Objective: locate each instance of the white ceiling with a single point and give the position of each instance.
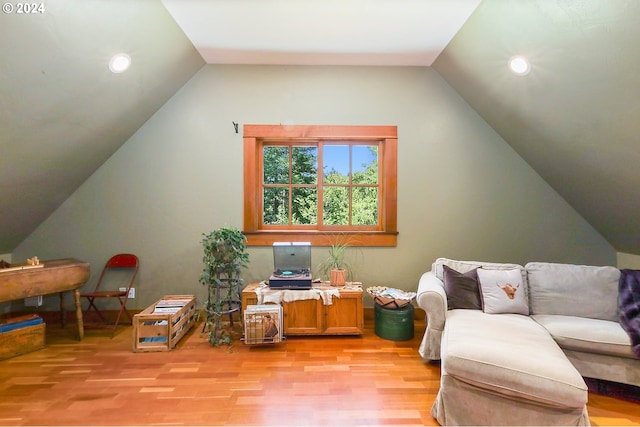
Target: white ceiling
(320, 32)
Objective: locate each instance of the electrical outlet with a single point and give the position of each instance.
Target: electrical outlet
(132, 292)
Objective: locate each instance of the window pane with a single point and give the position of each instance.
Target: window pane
(304, 165)
(365, 164)
(276, 165)
(336, 164)
(365, 206)
(336, 206)
(304, 209)
(276, 206)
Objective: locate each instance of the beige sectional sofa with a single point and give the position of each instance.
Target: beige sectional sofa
(516, 351)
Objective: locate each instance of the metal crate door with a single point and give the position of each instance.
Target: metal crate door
(263, 324)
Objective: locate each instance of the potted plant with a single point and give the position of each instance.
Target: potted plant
(225, 254)
(335, 266)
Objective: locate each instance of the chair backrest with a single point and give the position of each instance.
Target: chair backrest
(120, 261)
(123, 261)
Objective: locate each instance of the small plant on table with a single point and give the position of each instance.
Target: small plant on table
(335, 266)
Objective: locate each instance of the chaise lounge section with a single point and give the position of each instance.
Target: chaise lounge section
(515, 342)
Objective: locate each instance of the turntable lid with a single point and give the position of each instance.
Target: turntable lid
(291, 256)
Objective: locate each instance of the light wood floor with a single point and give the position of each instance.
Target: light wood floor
(303, 381)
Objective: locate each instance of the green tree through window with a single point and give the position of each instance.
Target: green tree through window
(289, 185)
(349, 189)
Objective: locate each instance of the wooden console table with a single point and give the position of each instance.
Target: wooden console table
(56, 276)
(344, 314)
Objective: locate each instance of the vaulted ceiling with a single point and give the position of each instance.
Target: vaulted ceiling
(575, 118)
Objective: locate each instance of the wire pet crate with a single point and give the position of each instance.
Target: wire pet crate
(263, 324)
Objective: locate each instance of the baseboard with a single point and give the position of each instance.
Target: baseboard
(53, 316)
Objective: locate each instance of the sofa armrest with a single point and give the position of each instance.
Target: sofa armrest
(431, 297)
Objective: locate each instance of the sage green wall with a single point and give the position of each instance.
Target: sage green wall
(462, 191)
(628, 261)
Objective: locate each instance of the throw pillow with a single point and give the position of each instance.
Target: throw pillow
(462, 289)
(502, 291)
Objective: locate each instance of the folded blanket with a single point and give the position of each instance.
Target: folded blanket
(267, 295)
(629, 305)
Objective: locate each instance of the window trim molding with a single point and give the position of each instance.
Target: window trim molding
(253, 135)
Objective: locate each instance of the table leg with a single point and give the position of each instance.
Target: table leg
(62, 313)
(76, 294)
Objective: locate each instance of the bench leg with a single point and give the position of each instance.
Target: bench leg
(76, 295)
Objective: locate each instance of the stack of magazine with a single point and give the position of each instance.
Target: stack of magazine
(170, 306)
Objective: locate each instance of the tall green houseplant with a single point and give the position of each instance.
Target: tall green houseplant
(225, 255)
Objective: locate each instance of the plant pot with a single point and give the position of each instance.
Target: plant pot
(338, 277)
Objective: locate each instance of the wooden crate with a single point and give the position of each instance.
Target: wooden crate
(159, 327)
(22, 340)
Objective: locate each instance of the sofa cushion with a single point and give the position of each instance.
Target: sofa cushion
(573, 290)
(462, 289)
(512, 355)
(502, 291)
(587, 335)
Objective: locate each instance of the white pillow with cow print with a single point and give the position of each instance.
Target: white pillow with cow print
(502, 291)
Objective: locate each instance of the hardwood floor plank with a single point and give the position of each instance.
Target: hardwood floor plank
(302, 381)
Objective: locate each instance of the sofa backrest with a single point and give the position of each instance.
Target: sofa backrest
(573, 290)
(464, 266)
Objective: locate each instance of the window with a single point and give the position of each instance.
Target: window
(304, 183)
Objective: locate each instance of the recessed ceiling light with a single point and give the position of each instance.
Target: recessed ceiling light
(119, 63)
(519, 65)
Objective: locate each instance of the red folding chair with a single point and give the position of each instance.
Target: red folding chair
(118, 273)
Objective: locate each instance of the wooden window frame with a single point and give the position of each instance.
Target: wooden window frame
(256, 135)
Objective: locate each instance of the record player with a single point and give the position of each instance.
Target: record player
(292, 265)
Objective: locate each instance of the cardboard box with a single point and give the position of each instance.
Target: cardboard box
(160, 326)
